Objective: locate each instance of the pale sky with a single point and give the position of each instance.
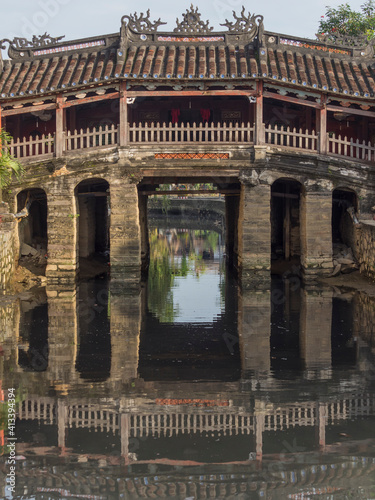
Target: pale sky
(84, 18)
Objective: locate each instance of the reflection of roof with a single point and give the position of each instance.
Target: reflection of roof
(213, 482)
(191, 53)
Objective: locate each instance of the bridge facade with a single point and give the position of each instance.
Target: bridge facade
(275, 124)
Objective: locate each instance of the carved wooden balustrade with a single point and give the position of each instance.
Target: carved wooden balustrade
(199, 134)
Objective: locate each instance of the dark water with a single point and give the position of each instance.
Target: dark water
(191, 388)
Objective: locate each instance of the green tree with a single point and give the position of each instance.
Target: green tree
(9, 165)
(345, 21)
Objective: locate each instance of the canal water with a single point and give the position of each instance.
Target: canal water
(189, 388)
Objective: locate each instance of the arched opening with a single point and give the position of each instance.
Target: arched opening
(285, 222)
(32, 228)
(93, 208)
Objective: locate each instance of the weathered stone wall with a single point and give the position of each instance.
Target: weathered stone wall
(8, 227)
(362, 244)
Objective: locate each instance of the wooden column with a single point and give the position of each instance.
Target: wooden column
(320, 425)
(259, 128)
(62, 414)
(124, 436)
(123, 139)
(322, 125)
(60, 125)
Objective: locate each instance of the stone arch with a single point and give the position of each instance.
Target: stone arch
(344, 209)
(92, 209)
(285, 218)
(32, 212)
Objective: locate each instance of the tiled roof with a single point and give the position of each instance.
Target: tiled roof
(290, 62)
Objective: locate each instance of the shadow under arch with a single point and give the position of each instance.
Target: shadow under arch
(93, 211)
(344, 208)
(285, 222)
(32, 210)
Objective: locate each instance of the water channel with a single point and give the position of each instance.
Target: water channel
(190, 388)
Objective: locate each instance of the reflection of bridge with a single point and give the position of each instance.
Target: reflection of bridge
(175, 417)
(71, 317)
(290, 477)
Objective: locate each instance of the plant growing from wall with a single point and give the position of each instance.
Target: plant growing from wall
(9, 166)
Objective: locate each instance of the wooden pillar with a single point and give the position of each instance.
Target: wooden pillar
(124, 436)
(123, 115)
(72, 118)
(258, 431)
(62, 423)
(259, 127)
(322, 125)
(320, 425)
(60, 126)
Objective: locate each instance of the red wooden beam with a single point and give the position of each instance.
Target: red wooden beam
(28, 109)
(293, 100)
(87, 100)
(351, 111)
(189, 93)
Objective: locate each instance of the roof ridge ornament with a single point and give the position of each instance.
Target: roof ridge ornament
(142, 23)
(359, 41)
(246, 24)
(36, 42)
(192, 23)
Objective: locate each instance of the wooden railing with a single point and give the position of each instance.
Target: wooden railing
(342, 146)
(199, 134)
(91, 138)
(26, 147)
(291, 138)
(239, 133)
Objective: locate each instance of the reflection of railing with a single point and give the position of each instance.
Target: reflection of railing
(343, 146)
(239, 133)
(180, 421)
(25, 147)
(91, 138)
(291, 138)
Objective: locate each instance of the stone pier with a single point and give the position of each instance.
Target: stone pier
(255, 235)
(125, 234)
(315, 329)
(62, 337)
(316, 232)
(125, 332)
(62, 236)
(254, 329)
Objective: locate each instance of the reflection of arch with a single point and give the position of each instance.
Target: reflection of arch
(343, 198)
(93, 221)
(32, 210)
(285, 218)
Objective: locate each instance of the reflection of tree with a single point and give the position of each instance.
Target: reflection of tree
(172, 254)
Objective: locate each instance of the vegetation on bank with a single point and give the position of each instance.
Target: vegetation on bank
(347, 22)
(9, 166)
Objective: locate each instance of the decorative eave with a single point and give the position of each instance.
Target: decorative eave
(192, 54)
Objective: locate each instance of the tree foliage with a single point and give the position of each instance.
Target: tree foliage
(9, 165)
(345, 21)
